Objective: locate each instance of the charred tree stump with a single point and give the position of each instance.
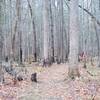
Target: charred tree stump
(34, 77)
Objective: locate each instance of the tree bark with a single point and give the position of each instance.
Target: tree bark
(19, 32)
(34, 31)
(51, 33)
(1, 47)
(46, 29)
(74, 39)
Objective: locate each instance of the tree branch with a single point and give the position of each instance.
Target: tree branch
(30, 8)
(89, 13)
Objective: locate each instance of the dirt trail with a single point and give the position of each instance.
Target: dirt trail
(53, 86)
(50, 86)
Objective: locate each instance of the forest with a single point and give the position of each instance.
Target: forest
(49, 49)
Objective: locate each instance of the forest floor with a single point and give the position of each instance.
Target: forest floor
(54, 84)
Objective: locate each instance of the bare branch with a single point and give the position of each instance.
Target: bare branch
(89, 13)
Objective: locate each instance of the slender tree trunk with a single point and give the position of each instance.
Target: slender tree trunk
(98, 41)
(74, 39)
(1, 47)
(55, 31)
(51, 32)
(61, 30)
(18, 7)
(34, 31)
(15, 30)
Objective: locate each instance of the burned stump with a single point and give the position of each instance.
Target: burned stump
(34, 77)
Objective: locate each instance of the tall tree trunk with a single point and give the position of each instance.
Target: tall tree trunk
(1, 46)
(45, 28)
(51, 32)
(34, 31)
(74, 39)
(18, 7)
(55, 31)
(62, 49)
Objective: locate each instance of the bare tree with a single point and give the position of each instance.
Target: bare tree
(18, 9)
(74, 39)
(34, 30)
(17, 31)
(1, 46)
(46, 29)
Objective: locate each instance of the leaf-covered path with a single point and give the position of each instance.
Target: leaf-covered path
(53, 84)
